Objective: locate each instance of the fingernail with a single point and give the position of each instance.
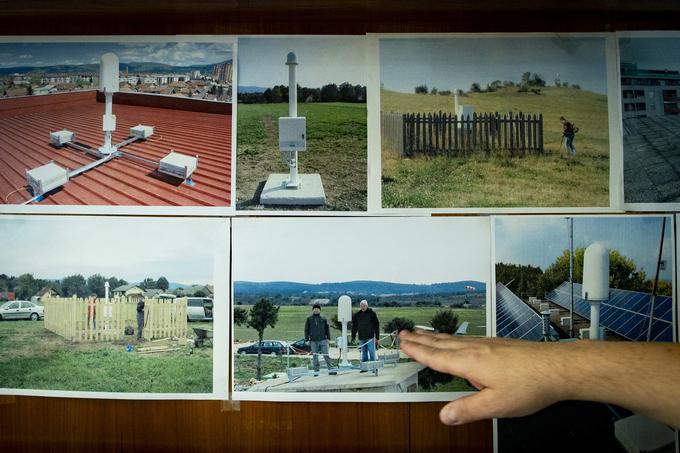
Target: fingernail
(449, 416)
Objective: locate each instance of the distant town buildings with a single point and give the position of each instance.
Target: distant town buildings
(649, 92)
(213, 86)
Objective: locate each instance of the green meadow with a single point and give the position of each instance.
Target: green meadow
(291, 324)
(552, 179)
(336, 149)
(34, 358)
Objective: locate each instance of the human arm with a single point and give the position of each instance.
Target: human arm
(327, 330)
(517, 378)
(307, 329)
(376, 329)
(354, 327)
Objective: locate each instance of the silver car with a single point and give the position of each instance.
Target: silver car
(21, 309)
(199, 309)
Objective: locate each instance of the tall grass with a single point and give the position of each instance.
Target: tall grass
(549, 180)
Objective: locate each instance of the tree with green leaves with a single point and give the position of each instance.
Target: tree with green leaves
(240, 316)
(26, 286)
(148, 283)
(421, 89)
(475, 88)
(445, 321)
(74, 285)
(95, 285)
(162, 283)
(399, 324)
(263, 314)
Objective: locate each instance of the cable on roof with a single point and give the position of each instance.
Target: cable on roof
(25, 187)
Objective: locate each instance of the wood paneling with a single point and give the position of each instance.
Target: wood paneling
(115, 425)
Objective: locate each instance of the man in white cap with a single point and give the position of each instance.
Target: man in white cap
(365, 323)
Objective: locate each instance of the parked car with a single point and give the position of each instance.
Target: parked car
(269, 347)
(21, 309)
(199, 309)
(300, 347)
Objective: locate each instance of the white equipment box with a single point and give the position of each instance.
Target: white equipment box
(45, 178)
(293, 133)
(178, 165)
(62, 137)
(141, 131)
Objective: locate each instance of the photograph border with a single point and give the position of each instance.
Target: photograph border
(221, 324)
(361, 397)
(613, 98)
(137, 210)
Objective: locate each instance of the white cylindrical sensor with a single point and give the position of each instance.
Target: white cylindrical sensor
(291, 62)
(596, 272)
(108, 73)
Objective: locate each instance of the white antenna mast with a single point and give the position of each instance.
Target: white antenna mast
(108, 84)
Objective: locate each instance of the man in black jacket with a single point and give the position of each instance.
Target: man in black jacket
(365, 323)
(318, 333)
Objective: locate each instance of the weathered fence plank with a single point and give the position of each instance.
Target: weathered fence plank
(105, 320)
(447, 134)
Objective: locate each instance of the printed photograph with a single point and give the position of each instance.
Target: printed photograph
(493, 122)
(303, 148)
(113, 305)
(318, 303)
(650, 89)
(578, 278)
(116, 123)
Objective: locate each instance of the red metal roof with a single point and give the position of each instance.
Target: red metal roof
(25, 124)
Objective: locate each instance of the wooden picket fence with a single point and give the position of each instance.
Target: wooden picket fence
(447, 134)
(78, 319)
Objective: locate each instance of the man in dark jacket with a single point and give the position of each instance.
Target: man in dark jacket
(365, 323)
(140, 318)
(318, 333)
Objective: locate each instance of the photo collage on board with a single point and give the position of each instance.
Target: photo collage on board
(257, 217)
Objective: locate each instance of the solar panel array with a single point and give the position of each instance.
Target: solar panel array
(625, 313)
(515, 319)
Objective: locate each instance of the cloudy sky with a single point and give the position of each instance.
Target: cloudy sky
(405, 250)
(132, 248)
(321, 60)
(456, 63)
(172, 53)
(538, 241)
(651, 53)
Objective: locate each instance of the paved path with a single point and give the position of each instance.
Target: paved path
(651, 159)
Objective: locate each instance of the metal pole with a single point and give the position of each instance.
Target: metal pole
(570, 223)
(656, 281)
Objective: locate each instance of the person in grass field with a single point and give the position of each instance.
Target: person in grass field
(568, 133)
(365, 324)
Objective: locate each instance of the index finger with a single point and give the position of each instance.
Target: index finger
(437, 358)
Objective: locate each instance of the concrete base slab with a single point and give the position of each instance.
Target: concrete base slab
(400, 379)
(310, 192)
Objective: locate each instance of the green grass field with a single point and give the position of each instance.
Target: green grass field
(550, 180)
(336, 149)
(35, 358)
(291, 324)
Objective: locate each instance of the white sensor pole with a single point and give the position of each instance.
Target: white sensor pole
(108, 84)
(344, 316)
(106, 291)
(291, 62)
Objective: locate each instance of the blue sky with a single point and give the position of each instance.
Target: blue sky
(456, 63)
(132, 248)
(322, 60)
(538, 241)
(172, 53)
(651, 53)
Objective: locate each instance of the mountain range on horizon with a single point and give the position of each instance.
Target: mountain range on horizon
(365, 287)
(133, 67)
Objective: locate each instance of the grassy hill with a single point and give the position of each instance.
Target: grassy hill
(336, 149)
(551, 180)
